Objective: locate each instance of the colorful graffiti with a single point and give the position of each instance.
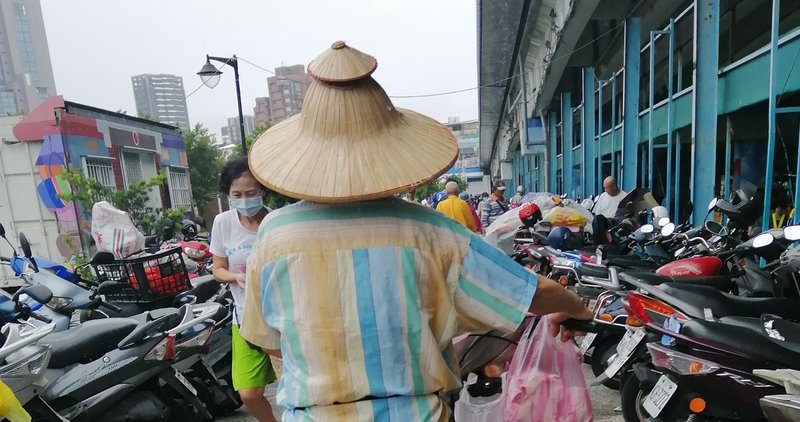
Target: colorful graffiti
(52, 166)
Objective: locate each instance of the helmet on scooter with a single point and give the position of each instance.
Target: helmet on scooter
(561, 238)
(189, 229)
(530, 214)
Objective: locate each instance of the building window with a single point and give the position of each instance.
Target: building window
(179, 187)
(133, 167)
(101, 170)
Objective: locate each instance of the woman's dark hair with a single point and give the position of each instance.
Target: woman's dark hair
(232, 171)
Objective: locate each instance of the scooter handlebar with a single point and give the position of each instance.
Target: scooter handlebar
(110, 306)
(585, 326)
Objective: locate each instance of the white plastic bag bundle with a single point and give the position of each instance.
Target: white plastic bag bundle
(503, 230)
(113, 231)
(478, 409)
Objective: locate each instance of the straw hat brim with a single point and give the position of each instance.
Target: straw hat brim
(305, 165)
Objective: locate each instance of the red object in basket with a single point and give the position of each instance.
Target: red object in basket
(159, 285)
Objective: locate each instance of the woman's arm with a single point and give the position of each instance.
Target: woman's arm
(223, 275)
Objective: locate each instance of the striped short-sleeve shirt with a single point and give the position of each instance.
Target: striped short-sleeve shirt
(363, 301)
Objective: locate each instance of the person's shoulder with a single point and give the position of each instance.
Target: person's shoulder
(226, 217)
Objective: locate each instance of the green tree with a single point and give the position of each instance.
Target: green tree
(252, 137)
(437, 185)
(134, 200)
(205, 164)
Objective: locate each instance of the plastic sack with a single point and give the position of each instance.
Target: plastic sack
(477, 409)
(503, 230)
(113, 231)
(545, 381)
(563, 216)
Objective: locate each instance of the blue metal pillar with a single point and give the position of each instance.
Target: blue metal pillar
(668, 196)
(587, 120)
(614, 171)
(599, 145)
(704, 99)
(630, 128)
(566, 140)
(728, 148)
(678, 179)
(553, 158)
(651, 99)
(773, 67)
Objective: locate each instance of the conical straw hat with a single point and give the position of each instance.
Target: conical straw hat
(349, 143)
(342, 63)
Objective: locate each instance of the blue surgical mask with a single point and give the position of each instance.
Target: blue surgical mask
(247, 207)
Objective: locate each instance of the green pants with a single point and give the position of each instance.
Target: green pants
(251, 367)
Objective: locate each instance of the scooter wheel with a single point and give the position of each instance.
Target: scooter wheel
(600, 355)
(632, 396)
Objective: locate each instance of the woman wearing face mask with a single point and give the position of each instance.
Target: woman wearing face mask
(232, 238)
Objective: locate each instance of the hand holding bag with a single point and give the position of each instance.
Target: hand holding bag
(545, 381)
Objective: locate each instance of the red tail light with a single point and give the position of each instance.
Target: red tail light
(644, 309)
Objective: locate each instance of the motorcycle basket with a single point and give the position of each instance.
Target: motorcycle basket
(144, 279)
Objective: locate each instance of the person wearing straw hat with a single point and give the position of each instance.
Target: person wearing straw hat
(361, 293)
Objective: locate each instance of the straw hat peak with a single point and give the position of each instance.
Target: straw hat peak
(349, 143)
(342, 63)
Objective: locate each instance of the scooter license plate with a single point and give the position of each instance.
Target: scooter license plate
(625, 350)
(587, 342)
(185, 382)
(655, 402)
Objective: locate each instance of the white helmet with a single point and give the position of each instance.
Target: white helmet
(660, 212)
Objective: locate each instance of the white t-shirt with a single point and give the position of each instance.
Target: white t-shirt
(231, 240)
(607, 205)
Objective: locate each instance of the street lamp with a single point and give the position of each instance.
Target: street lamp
(210, 76)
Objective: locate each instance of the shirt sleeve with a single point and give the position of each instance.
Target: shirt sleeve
(254, 327)
(485, 214)
(217, 246)
(493, 292)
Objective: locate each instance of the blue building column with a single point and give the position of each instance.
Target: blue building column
(630, 128)
(552, 123)
(587, 125)
(704, 101)
(566, 140)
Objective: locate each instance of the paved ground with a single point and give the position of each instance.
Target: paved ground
(603, 400)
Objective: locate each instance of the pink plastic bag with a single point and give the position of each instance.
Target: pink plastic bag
(545, 381)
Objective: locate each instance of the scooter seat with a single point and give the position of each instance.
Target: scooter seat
(717, 282)
(593, 270)
(202, 291)
(88, 341)
(726, 305)
(631, 262)
(742, 338)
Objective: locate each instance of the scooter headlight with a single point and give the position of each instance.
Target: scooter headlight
(29, 365)
(194, 253)
(58, 302)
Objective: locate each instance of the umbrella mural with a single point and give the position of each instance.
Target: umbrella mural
(51, 166)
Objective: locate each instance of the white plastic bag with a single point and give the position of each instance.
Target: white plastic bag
(478, 409)
(113, 231)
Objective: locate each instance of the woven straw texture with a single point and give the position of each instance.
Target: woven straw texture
(350, 144)
(342, 63)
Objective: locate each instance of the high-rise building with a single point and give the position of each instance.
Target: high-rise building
(26, 74)
(262, 111)
(161, 96)
(233, 134)
(287, 90)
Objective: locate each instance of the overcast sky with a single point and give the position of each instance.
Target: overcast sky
(422, 47)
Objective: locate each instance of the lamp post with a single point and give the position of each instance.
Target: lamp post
(210, 76)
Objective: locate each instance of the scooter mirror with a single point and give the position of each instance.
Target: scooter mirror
(102, 258)
(792, 233)
(2, 231)
(712, 204)
(764, 239)
(663, 221)
(200, 221)
(647, 229)
(714, 227)
(668, 229)
(38, 292)
(25, 245)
